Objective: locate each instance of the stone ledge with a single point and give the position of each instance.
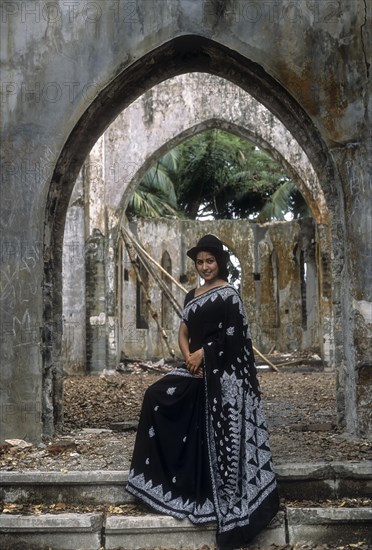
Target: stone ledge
(163, 531)
(56, 522)
(325, 470)
(84, 487)
(146, 524)
(318, 516)
(133, 532)
(85, 477)
(324, 480)
(295, 470)
(58, 531)
(319, 480)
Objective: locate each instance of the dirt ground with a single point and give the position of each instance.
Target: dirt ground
(100, 415)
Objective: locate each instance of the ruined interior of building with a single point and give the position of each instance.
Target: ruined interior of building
(287, 312)
(73, 309)
(286, 283)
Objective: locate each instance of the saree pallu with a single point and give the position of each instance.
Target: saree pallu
(202, 447)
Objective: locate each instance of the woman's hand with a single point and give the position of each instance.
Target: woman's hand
(194, 362)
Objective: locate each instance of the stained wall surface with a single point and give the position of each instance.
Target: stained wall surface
(68, 71)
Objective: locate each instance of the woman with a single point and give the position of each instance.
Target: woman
(202, 447)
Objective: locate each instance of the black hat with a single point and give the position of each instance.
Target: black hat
(209, 243)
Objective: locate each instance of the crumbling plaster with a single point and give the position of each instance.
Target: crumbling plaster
(67, 76)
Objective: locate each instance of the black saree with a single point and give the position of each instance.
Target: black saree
(202, 448)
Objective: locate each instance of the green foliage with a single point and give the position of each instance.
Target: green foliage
(220, 175)
(155, 197)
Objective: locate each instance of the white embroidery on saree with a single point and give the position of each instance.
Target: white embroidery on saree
(154, 495)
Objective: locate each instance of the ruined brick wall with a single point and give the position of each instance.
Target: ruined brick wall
(271, 290)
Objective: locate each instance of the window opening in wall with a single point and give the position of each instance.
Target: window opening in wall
(126, 264)
(303, 270)
(167, 313)
(141, 308)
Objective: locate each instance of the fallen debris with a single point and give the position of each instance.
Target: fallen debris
(18, 443)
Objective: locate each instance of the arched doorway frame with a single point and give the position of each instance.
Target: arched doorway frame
(199, 101)
(180, 55)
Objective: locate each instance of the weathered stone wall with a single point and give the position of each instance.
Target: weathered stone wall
(157, 238)
(271, 292)
(69, 71)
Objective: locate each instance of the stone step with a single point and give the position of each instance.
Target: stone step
(311, 481)
(54, 531)
(94, 531)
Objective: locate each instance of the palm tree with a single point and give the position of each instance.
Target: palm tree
(227, 177)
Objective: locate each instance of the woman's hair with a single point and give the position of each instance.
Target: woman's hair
(222, 260)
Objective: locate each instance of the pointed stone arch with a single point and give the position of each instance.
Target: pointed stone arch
(179, 55)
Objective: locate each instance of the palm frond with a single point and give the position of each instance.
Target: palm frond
(279, 203)
(170, 160)
(157, 181)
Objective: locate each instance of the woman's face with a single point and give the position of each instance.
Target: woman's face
(207, 266)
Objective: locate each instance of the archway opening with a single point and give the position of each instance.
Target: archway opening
(264, 280)
(207, 57)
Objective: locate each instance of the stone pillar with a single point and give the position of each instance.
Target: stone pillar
(284, 237)
(100, 265)
(354, 395)
(21, 331)
(326, 317)
(112, 325)
(264, 276)
(94, 173)
(95, 303)
(309, 285)
(24, 337)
